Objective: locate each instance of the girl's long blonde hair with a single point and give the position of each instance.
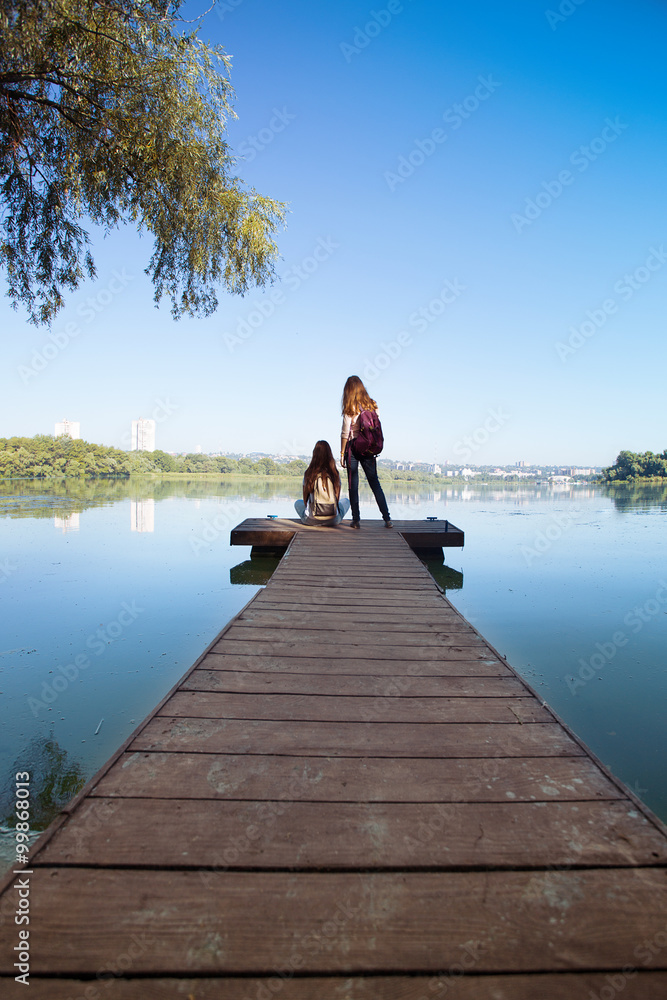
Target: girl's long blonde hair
(356, 398)
(321, 464)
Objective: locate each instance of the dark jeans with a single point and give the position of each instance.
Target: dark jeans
(369, 465)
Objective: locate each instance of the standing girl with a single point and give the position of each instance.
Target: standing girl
(356, 399)
(321, 504)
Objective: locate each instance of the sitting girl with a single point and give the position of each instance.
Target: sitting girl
(321, 504)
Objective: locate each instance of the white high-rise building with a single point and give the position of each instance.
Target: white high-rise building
(68, 428)
(143, 435)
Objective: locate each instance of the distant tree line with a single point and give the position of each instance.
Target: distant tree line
(45, 457)
(630, 467)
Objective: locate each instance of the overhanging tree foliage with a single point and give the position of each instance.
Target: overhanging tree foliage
(109, 111)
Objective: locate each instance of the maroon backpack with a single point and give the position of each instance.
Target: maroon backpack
(369, 441)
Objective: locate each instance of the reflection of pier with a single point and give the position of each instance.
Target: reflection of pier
(350, 794)
(142, 515)
(256, 571)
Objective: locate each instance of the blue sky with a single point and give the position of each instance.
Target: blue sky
(477, 227)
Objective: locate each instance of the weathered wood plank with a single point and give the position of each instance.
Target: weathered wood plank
(362, 564)
(380, 596)
(456, 664)
(357, 739)
(368, 685)
(358, 650)
(352, 779)
(246, 632)
(268, 600)
(632, 985)
(259, 922)
(336, 575)
(434, 625)
(347, 836)
(348, 708)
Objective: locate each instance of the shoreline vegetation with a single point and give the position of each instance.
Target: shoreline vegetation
(636, 467)
(45, 458)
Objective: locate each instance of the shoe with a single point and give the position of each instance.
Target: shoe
(389, 523)
(355, 524)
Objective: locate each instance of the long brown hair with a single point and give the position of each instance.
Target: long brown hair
(321, 464)
(355, 397)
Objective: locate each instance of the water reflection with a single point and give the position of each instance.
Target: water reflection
(652, 496)
(55, 778)
(257, 570)
(65, 524)
(444, 576)
(64, 500)
(142, 515)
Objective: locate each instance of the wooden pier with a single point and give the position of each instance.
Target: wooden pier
(350, 796)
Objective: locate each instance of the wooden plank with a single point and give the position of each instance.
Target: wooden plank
(348, 836)
(367, 685)
(348, 708)
(325, 638)
(260, 618)
(382, 597)
(267, 601)
(634, 984)
(456, 664)
(354, 561)
(333, 577)
(357, 739)
(257, 922)
(351, 779)
(357, 650)
(374, 561)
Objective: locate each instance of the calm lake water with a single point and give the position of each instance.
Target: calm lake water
(111, 591)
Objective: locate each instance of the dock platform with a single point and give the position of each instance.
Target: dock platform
(351, 795)
(276, 533)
